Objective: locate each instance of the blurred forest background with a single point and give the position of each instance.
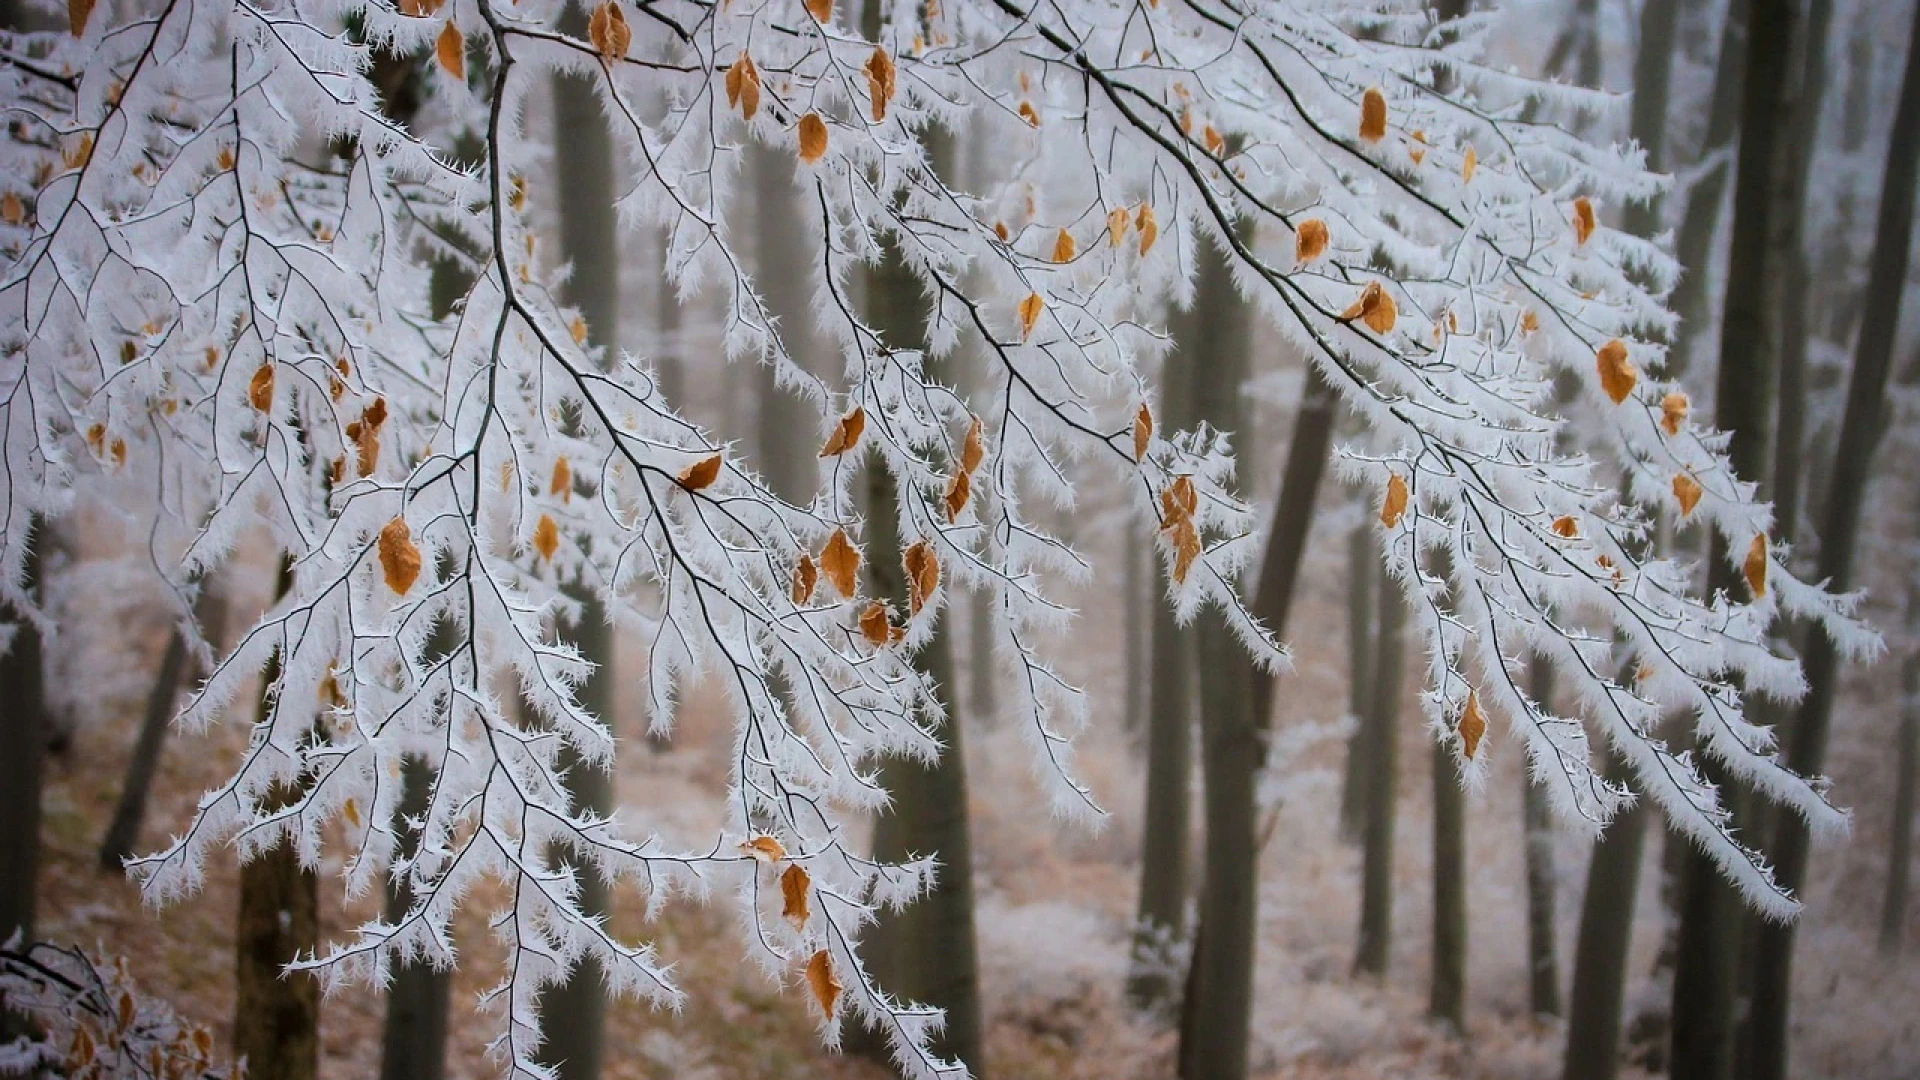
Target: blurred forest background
(1405, 929)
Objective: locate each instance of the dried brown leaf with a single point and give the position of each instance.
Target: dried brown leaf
(1755, 568)
(701, 473)
(1142, 432)
(546, 537)
(923, 574)
(1373, 115)
(806, 576)
(1394, 507)
(399, 558)
(1688, 491)
(765, 849)
(260, 388)
(794, 885)
(1473, 725)
(840, 560)
(1584, 221)
(1310, 240)
(813, 138)
(846, 434)
(451, 50)
(1617, 373)
(824, 983)
(1673, 413)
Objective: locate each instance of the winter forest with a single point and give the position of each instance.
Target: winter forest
(1218, 539)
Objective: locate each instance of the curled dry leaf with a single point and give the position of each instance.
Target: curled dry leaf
(959, 490)
(1756, 566)
(841, 562)
(1566, 526)
(794, 884)
(1688, 491)
(701, 473)
(451, 50)
(1469, 165)
(1584, 221)
(399, 558)
(973, 451)
(1673, 413)
(1373, 115)
(1064, 248)
(846, 433)
(1142, 432)
(821, 10)
(823, 982)
(881, 79)
(1618, 376)
(1473, 725)
(546, 536)
(609, 32)
(1394, 507)
(1375, 307)
(1529, 322)
(765, 849)
(260, 388)
(1310, 241)
(813, 138)
(1417, 147)
(1030, 310)
(806, 576)
(1216, 143)
(923, 574)
(1029, 114)
(1118, 222)
(12, 210)
(562, 482)
(743, 85)
(577, 330)
(876, 625)
(1148, 226)
(1186, 548)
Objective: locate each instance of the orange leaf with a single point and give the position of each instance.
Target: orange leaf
(959, 490)
(1584, 221)
(1063, 247)
(824, 983)
(609, 32)
(1373, 115)
(701, 473)
(13, 211)
(1184, 496)
(821, 10)
(764, 849)
(1118, 222)
(846, 434)
(260, 388)
(577, 329)
(813, 138)
(562, 483)
(1417, 148)
(78, 12)
(1148, 226)
(881, 76)
(1030, 310)
(923, 574)
(974, 450)
(841, 561)
(1029, 114)
(1673, 412)
(1688, 491)
(399, 559)
(1395, 505)
(1617, 373)
(1756, 566)
(546, 536)
(1473, 725)
(1529, 322)
(1375, 307)
(1142, 432)
(1567, 527)
(743, 85)
(793, 895)
(451, 50)
(1186, 548)
(1216, 142)
(805, 577)
(1310, 241)
(1467, 166)
(876, 624)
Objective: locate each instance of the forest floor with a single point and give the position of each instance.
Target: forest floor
(1056, 899)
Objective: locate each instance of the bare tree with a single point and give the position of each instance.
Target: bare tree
(1382, 773)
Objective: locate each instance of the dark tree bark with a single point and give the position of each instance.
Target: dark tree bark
(1216, 1014)
(23, 744)
(1712, 916)
(787, 420)
(414, 1044)
(1132, 618)
(1362, 562)
(980, 696)
(1447, 994)
(123, 830)
(1605, 943)
(1893, 909)
(1543, 962)
(1292, 522)
(1382, 773)
(1699, 225)
(1860, 431)
(276, 1018)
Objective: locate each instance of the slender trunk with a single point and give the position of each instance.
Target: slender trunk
(276, 1021)
(1447, 996)
(1215, 1017)
(23, 744)
(574, 1012)
(1160, 928)
(1362, 562)
(1860, 431)
(1132, 616)
(929, 952)
(980, 693)
(1543, 963)
(1292, 521)
(414, 1045)
(1712, 916)
(1605, 944)
(1382, 772)
(1699, 225)
(787, 420)
(1893, 910)
(123, 831)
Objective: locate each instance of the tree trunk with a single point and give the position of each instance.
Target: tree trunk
(1605, 945)
(1132, 617)
(1893, 910)
(276, 1018)
(573, 1013)
(1699, 225)
(1292, 522)
(414, 1045)
(788, 421)
(1447, 997)
(1362, 562)
(1712, 916)
(928, 952)
(23, 745)
(1216, 1013)
(1860, 431)
(1543, 963)
(123, 831)
(1382, 773)
(980, 693)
